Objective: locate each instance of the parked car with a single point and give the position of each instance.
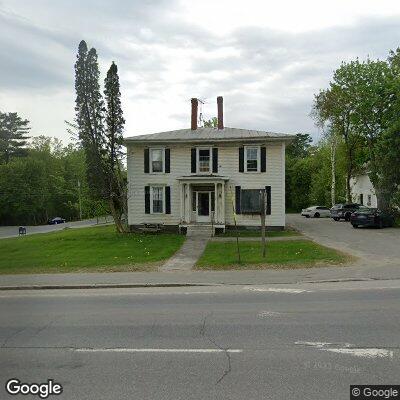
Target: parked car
(374, 217)
(56, 220)
(343, 211)
(316, 212)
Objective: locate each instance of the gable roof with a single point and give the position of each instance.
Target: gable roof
(209, 134)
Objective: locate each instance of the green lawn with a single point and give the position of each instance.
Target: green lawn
(280, 254)
(251, 233)
(86, 249)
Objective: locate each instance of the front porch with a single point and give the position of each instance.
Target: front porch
(202, 200)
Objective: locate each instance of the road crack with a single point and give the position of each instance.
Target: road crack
(225, 350)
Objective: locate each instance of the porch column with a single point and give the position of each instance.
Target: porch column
(215, 202)
(186, 206)
(181, 199)
(223, 202)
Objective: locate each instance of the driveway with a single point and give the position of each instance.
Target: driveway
(373, 246)
(12, 231)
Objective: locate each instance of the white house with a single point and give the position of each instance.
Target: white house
(205, 176)
(363, 191)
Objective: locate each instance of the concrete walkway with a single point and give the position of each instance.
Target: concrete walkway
(185, 258)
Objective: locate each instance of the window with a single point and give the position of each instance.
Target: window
(252, 157)
(157, 160)
(250, 201)
(361, 199)
(204, 157)
(157, 199)
(369, 200)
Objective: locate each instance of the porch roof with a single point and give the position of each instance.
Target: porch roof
(203, 178)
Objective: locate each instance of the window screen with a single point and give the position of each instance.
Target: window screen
(250, 201)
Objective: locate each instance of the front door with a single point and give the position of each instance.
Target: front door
(203, 206)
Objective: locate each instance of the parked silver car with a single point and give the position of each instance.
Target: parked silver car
(316, 212)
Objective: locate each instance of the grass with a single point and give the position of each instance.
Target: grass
(254, 233)
(280, 254)
(86, 250)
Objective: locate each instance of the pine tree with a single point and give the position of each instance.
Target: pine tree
(13, 136)
(114, 127)
(89, 108)
(102, 145)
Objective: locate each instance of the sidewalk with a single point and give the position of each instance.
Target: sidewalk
(253, 277)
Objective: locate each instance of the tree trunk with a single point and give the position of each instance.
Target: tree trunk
(383, 198)
(333, 170)
(117, 217)
(348, 187)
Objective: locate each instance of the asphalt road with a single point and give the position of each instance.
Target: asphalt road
(373, 246)
(12, 231)
(229, 342)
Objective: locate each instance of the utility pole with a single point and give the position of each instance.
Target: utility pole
(263, 203)
(80, 200)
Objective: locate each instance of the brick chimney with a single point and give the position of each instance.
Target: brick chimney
(195, 104)
(220, 104)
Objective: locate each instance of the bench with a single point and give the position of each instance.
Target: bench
(151, 228)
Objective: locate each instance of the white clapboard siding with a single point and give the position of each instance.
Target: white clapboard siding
(228, 160)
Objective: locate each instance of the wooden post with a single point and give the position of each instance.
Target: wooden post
(236, 228)
(263, 204)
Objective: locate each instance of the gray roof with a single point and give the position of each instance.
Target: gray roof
(209, 134)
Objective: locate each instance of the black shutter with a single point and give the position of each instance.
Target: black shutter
(146, 161)
(167, 200)
(241, 159)
(167, 161)
(263, 159)
(193, 161)
(268, 193)
(237, 199)
(147, 199)
(215, 160)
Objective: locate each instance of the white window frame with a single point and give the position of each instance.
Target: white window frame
(210, 163)
(151, 160)
(152, 197)
(258, 159)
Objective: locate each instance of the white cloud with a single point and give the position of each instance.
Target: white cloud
(266, 58)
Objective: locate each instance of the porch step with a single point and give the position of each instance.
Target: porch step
(199, 230)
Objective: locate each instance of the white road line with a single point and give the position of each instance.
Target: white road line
(277, 290)
(368, 352)
(128, 350)
(349, 349)
(266, 314)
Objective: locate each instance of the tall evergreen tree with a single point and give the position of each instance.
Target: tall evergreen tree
(13, 136)
(114, 127)
(89, 109)
(102, 145)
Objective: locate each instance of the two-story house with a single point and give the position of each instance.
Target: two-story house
(197, 176)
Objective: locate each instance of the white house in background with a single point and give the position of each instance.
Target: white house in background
(189, 178)
(363, 191)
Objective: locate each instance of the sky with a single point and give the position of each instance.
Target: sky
(266, 58)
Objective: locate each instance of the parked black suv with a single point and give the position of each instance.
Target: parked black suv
(343, 211)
